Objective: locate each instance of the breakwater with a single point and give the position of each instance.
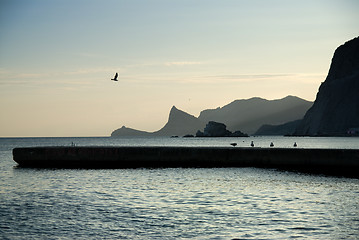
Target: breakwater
(332, 161)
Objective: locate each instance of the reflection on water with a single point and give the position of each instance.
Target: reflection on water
(172, 203)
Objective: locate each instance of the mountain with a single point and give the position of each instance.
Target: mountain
(124, 131)
(282, 129)
(248, 115)
(336, 107)
(180, 123)
(245, 115)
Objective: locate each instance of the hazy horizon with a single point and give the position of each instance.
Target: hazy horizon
(57, 59)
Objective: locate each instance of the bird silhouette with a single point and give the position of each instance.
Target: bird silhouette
(252, 144)
(271, 144)
(115, 77)
(234, 144)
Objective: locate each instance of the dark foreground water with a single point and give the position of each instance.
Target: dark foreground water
(217, 203)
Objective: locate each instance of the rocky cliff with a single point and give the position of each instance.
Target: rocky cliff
(215, 129)
(180, 123)
(336, 108)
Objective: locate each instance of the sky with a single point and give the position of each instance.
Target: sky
(57, 59)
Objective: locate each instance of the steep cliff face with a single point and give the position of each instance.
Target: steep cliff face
(180, 123)
(336, 108)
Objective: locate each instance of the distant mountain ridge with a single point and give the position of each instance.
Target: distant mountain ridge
(124, 131)
(278, 130)
(246, 115)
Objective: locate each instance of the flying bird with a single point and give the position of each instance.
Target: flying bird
(115, 77)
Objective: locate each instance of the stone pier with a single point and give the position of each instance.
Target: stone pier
(343, 162)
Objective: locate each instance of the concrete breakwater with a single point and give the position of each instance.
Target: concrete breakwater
(331, 161)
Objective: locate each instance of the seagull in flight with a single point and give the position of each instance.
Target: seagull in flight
(115, 77)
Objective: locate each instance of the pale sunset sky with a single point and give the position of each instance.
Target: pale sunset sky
(57, 58)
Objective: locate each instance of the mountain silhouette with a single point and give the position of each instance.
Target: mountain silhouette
(278, 130)
(246, 115)
(180, 123)
(124, 131)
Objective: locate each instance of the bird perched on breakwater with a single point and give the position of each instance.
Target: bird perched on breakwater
(295, 144)
(234, 144)
(115, 77)
(271, 144)
(252, 144)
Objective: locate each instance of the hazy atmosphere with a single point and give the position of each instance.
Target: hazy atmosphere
(57, 59)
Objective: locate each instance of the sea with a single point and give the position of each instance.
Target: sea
(175, 203)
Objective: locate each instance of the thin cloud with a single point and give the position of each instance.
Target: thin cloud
(89, 55)
(32, 75)
(265, 76)
(3, 71)
(34, 79)
(94, 70)
(250, 76)
(6, 75)
(184, 63)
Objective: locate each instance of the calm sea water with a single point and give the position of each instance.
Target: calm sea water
(218, 203)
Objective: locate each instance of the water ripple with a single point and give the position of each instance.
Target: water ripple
(232, 203)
